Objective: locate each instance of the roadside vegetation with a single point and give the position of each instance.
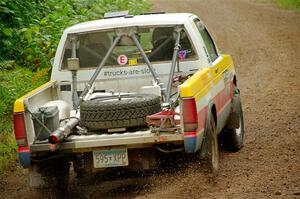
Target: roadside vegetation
(29, 33)
(289, 4)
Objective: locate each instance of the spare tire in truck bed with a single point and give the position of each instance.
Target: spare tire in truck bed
(114, 112)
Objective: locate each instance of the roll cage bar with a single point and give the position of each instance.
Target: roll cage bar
(132, 33)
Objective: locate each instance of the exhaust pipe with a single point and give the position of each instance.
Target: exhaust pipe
(63, 131)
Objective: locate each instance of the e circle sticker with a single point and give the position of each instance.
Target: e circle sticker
(122, 60)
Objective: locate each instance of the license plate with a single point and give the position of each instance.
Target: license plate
(110, 158)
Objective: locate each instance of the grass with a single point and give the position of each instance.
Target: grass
(289, 4)
(8, 147)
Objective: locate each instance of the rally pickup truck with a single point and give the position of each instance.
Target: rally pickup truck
(125, 89)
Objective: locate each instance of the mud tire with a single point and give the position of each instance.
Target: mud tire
(213, 146)
(232, 136)
(210, 147)
(130, 111)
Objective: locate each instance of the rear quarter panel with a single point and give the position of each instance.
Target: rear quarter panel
(37, 97)
(208, 86)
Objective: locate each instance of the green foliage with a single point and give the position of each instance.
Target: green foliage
(289, 4)
(30, 30)
(15, 83)
(8, 150)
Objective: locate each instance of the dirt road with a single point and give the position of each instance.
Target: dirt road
(265, 44)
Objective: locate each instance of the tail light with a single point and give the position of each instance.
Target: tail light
(190, 116)
(19, 129)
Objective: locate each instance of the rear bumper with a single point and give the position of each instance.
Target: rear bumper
(129, 139)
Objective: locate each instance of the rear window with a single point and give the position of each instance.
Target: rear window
(157, 42)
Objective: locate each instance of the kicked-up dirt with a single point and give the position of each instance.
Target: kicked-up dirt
(265, 44)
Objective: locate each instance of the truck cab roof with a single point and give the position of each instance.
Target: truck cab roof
(127, 21)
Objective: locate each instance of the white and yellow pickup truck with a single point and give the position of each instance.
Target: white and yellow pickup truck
(125, 89)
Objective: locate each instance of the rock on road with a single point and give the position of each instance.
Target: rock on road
(265, 44)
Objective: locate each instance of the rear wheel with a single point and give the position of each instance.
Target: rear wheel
(213, 147)
(232, 137)
(50, 174)
(210, 147)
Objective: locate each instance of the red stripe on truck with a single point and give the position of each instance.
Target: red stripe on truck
(23, 149)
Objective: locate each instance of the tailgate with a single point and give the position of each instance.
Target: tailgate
(130, 139)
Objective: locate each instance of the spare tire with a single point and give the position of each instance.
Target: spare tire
(115, 112)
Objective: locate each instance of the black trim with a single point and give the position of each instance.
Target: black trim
(153, 13)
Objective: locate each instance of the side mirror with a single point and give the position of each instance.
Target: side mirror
(73, 64)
